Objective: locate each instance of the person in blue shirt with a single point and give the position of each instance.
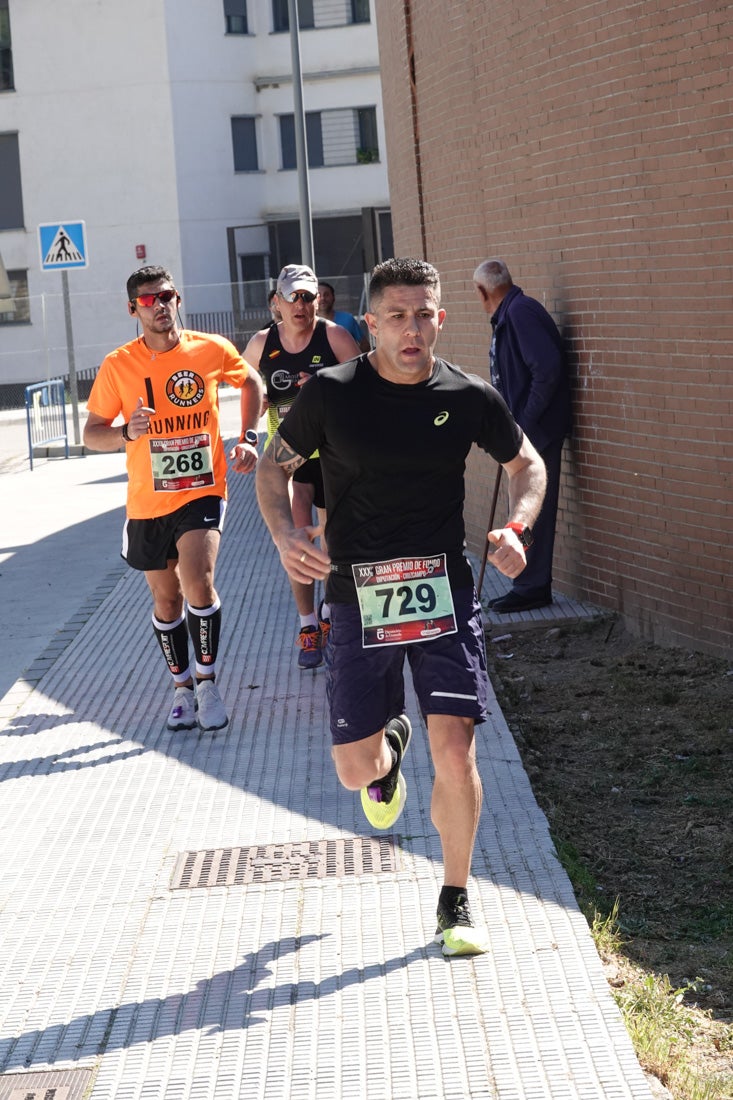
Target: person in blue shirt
(326, 308)
(528, 369)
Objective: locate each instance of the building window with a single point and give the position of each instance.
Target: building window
(255, 272)
(235, 16)
(342, 136)
(368, 148)
(338, 251)
(244, 143)
(16, 309)
(281, 18)
(254, 266)
(360, 11)
(6, 50)
(313, 138)
(321, 13)
(11, 192)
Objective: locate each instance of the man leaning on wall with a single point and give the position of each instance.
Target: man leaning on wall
(528, 369)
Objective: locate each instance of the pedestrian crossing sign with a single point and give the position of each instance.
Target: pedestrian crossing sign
(63, 245)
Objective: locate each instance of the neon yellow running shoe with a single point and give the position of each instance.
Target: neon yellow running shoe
(384, 800)
(456, 930)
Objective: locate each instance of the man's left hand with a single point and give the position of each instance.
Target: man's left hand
(506, 552)
(244, 457)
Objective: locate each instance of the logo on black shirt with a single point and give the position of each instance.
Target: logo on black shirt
(282, 379)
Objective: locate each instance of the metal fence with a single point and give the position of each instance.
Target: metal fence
(45, 405)
(37, 347)
(239, 328)
(12, 394)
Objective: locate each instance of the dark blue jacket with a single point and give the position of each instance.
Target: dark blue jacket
(531, 368)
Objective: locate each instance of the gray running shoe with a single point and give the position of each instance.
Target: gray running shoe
(212, 715)
(182, 715)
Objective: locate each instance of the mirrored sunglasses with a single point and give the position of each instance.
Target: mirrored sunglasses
(163, 296)
(294, 295)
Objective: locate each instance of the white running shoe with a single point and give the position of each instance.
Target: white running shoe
(212, 715)
(182, 715)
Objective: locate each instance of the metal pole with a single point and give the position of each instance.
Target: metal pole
(301, 154)
(70, 355)
(489, 527)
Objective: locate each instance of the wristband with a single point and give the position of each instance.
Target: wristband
(523, 533)
(125, 433)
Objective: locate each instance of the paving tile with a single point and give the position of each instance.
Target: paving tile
(328, 987)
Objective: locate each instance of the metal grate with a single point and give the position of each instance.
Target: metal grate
(65, 1084)
(309, 859)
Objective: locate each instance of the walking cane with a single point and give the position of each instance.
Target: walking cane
(497, 484)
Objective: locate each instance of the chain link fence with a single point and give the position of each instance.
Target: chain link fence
(35, 349)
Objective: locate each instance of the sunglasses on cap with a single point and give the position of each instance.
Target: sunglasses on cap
(303, 295)
(164, 296)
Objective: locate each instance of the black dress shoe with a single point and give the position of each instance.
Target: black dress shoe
(513, 601)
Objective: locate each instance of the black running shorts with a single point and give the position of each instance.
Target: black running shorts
(366, 687)
(152, 543)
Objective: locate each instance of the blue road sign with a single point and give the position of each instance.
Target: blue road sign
(63, 245)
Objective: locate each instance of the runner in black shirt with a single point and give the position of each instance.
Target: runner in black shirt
(393, 430)
(287, 354)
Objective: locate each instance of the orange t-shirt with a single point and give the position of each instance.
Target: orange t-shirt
(182, 457)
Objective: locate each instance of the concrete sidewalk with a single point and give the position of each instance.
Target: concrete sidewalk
(187, 915)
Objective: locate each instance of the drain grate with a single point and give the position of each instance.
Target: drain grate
(66, 1084)
(308, 859)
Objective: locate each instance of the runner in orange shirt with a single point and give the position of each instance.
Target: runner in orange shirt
(165, 384)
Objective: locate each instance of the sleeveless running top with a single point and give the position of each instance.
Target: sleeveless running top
(280, 370)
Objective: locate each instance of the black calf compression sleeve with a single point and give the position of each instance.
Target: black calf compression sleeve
(173, 640)
(204, 625)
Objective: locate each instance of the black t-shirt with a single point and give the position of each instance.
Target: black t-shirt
(393, 459)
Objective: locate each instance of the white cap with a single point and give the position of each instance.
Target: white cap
(296, 277)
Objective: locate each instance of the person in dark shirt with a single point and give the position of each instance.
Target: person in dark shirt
(287, 354)
(528, 369)
(393, 429)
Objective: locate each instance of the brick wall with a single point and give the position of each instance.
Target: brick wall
(589, 146)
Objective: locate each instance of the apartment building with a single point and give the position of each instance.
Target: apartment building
(167, 128)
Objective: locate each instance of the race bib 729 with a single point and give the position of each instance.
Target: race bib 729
(404, 600)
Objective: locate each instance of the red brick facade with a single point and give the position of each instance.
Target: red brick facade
(589, 147)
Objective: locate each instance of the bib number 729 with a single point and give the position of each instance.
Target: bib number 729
(409, 601)
(404, 600)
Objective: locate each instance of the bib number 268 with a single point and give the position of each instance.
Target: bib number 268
(188, 462)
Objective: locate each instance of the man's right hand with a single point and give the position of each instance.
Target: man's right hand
(139, 422)
(301, 559)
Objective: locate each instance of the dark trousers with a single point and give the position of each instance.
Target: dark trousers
(536, 577)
